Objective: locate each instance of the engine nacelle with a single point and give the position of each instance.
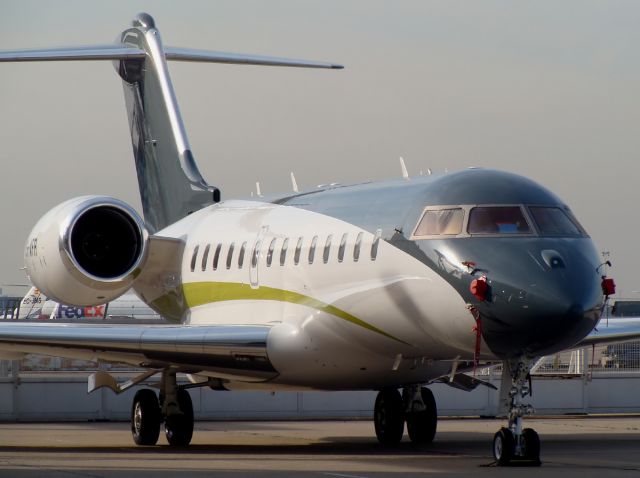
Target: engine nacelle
(87, 250)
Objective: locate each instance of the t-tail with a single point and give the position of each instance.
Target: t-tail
(171, 186)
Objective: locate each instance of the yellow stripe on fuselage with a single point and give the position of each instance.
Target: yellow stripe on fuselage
(201, 293)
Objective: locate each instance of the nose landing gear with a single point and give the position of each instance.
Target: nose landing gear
(514, 444)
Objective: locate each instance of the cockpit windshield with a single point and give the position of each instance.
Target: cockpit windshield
(440, 221)
(497, 220)
(554, 221)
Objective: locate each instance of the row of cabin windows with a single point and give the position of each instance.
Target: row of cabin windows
(284, 249)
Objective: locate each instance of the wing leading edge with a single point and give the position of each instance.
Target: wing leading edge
(238, 352)
(612, 331)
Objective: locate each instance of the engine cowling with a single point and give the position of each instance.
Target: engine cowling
(87, 250)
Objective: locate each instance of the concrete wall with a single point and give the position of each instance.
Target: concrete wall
(64, 397)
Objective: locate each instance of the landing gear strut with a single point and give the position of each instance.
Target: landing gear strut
(174, 407)
(513, 443)
(416, 406)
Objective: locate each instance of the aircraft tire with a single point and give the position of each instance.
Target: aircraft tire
(145, 418)
(503, 447)
(531, 446)
(178, 428)
(388, 417)
(422, 425)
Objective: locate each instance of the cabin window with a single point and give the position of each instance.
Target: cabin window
(435, 222)
(270, 251)
(283, 251)
(230, 255)
(343, 245)
(205, 257)
(296, 254)
(497, 220)
(554, 221)
(356, 247)
(243, 248)
(216, 257)
(312, 249)
(194, 258)
(375, 244)
(255, 255)
(327, 249)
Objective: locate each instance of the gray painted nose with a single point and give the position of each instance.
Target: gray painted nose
(542, 307)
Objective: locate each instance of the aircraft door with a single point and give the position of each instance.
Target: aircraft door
(256, 253)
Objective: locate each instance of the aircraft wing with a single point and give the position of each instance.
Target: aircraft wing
(612, 331)
(238, 352)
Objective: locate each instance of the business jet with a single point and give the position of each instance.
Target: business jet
(385, 286)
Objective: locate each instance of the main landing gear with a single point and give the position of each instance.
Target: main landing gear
(416, 406)
(174, 407)
(514, 444)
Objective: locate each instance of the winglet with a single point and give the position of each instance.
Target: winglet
(403, 167)
(294, 184)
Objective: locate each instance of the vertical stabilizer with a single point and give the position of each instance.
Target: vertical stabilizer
(171, 185)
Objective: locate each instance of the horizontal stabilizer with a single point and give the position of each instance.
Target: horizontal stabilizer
(96, 52)
(187, 54)
(124, 52)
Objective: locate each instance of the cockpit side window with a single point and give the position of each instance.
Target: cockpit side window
(436, 222)
(503, 220)
(554, 221)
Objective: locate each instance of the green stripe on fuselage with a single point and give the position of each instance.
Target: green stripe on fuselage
(201, 293)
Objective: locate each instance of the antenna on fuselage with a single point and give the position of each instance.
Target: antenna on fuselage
(294, 184)
(403, 167)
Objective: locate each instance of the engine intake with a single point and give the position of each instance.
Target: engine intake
(87, 251)
(105, 242)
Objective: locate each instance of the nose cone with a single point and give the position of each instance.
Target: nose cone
(540, 318)
(542, 303)
(544, 295)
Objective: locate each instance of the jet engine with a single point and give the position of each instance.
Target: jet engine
(87, 250)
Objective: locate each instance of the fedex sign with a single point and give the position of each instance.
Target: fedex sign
(74, 312)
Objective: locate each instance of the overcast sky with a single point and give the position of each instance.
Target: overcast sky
(546, 89)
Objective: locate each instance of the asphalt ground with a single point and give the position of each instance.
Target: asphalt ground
(571, 446)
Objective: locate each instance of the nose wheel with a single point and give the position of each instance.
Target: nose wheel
(513, 444)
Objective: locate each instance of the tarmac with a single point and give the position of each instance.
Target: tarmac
(571, 446)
